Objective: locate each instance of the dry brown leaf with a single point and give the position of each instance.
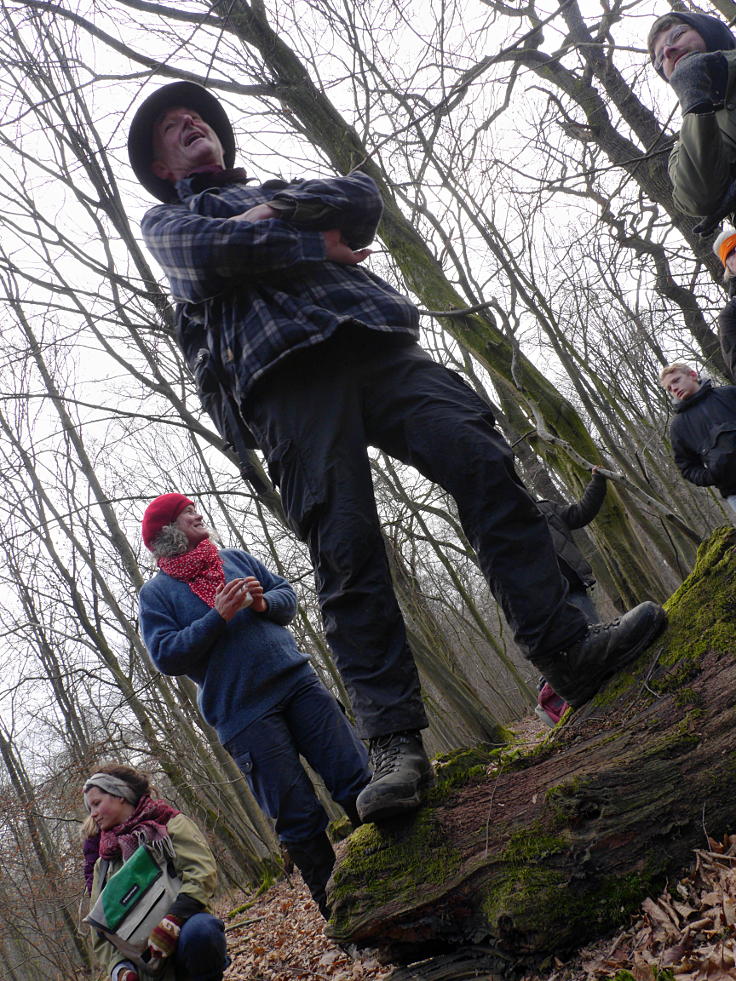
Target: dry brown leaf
(641, 970)
(330, 957)
(715, 972)
(729, 910)
(674, 955)
(665, 923)
(684, 910)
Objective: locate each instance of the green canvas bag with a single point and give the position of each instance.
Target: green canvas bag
(133, 900)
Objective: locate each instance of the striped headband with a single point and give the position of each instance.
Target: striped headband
(110, 785)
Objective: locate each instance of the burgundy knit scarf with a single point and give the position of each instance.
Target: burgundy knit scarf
(201, 568)
(147, 823)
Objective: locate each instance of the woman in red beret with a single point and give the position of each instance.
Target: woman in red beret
(219, 617)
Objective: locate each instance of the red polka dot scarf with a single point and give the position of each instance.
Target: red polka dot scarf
(201, 568)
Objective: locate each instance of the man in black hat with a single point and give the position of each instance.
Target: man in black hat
(320, 357)
(695, 54)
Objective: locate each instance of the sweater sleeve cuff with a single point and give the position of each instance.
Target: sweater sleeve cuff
(213, 623)
(120, 967)
(281, 606)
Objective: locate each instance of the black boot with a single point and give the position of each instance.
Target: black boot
(315, 859)
(400, 771)
(579, 672)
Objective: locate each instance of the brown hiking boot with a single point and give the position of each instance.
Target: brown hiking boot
(579, 672)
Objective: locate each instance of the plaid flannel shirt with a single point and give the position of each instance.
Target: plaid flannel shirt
(259, 290)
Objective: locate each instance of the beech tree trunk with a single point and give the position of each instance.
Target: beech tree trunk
(532, 853)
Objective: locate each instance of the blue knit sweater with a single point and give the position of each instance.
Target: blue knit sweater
(242, 668)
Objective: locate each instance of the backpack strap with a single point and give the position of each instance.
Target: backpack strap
(102, 874)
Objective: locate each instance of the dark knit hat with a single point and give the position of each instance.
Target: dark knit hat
(713, 31)
(187, 95)
(162, 511)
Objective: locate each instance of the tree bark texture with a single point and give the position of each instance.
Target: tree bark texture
(530, 853)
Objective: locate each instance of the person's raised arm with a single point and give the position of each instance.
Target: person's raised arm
(582, 513)
(701, 163)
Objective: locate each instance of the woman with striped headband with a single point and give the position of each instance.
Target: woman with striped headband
(119, 800)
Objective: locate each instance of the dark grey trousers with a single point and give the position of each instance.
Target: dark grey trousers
(314, 416)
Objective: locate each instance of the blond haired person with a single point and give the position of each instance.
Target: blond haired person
(703, 430)
(188, 944)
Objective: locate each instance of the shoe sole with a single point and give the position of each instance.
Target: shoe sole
(657, 626)
(382, 811)
(543, 717)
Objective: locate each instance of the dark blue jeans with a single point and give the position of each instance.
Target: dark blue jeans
(314, 417)
(201, 954)
(309, 722)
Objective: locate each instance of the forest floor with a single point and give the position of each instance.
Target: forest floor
(686, 934)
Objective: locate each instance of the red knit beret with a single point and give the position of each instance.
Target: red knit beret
(162, 511)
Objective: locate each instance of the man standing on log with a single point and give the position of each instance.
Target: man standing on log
(703, 432)
(695, 54)
(321, 358)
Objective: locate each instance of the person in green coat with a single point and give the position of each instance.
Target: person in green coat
(695, 54)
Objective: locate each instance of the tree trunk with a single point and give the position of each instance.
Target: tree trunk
(537, 853)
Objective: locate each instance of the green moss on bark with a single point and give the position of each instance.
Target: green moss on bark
(463, 767)
(533, 901)
(702, 618)
(392, 863)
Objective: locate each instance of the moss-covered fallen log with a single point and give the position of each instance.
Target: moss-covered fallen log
(536, 853)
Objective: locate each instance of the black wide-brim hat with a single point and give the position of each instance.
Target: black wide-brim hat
(185, 95)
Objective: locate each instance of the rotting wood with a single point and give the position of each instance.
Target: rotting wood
(535, 854)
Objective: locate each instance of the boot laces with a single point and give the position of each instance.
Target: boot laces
(593, 630)
(385, 753)
(600, 628)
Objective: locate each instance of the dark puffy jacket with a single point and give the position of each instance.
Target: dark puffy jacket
(698, 419)
(563, 518)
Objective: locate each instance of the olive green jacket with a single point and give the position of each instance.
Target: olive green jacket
(195, 866)
(702, 164)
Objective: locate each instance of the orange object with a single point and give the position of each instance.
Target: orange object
(726, 248)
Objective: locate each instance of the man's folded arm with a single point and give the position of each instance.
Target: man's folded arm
(351, 204)
(202, 255)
